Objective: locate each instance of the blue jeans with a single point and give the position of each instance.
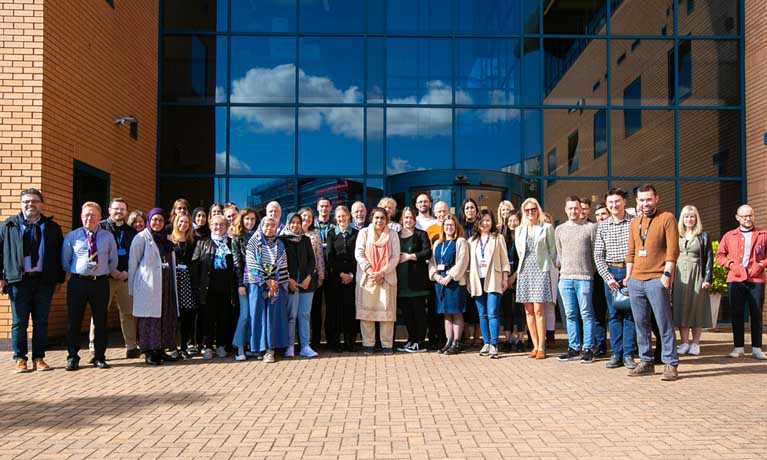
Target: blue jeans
(623, 335)
(29, 297)
(487, 306)
(646, 295)
(299, 310)
(242, 332)
(576, 296)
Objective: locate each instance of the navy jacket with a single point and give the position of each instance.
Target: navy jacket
(12, 251)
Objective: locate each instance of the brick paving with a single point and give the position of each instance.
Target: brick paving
(407, 406)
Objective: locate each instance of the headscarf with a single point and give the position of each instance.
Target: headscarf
(288, 234)
(194, 214)
(377, 251)
(160, 238)
(265, 256)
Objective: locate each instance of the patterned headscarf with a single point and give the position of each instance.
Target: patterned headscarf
(265, 256)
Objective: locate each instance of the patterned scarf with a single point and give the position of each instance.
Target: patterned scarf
(265, 257)
(222, 250)
(31, 238)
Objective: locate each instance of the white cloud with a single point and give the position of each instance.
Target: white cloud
(236, 166)
(399, 165)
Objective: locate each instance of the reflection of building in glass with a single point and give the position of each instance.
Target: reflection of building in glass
(339, 191)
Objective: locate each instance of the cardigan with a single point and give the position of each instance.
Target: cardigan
(459, 270)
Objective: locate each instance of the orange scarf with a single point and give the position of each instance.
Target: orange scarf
(377, 251)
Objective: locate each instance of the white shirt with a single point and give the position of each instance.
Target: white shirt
(483, 260)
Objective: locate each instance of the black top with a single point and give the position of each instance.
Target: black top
(341, 253)
(418, 269)
(124, 235)
(301, 260)
(12, 253)
(204, 276)
(201, 233)
(184, 251)
(239, 245)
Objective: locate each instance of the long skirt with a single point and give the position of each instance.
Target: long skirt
(160, 333)
(269, 318)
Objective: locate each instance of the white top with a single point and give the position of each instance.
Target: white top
(422, 223)
(483, 260)
(746, 247)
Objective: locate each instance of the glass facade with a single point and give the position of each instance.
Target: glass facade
(293, 99)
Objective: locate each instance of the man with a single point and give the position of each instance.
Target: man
(118, 286)
(359, 214)
(90, 257)
(424, 220)
(273, 209)
(610, 249)
(389, 204)
(30, 270)
(323, 226)
(575, 245)
(653, 248)
(585, 208)
(441, 210)
(742, 252)
(601, 214)
(432, 226)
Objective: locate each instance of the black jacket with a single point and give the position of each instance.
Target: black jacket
(706, 256)
(301, 261)
(128, 234)
(12, 251)
(202, 268)
(184, 252)
(239, 245)
(341, 254)
(418, 269)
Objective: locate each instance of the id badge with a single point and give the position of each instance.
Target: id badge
(324, 245)
(181, 266)
(122, 252)
(483, 265)
(165, 265)
(92, 265)
(642, 253)
(441, 267)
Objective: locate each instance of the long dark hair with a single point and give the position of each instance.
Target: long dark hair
(475, 232)
(462, 214)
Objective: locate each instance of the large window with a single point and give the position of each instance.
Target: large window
(632, 118)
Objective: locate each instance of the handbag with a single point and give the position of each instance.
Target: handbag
(621, 299)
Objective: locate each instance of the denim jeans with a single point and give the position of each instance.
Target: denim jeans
(623, 335)
(745, 294)
(576, 297)
(242, 332)
(299, 310)
(487, 306)
(29, 297)
(647, 296)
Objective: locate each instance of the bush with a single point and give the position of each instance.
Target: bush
(719, 277)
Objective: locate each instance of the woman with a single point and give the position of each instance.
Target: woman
(230, 214)
(200, 223)
(512, 313)
(310, 230)
(390, 205)
(267, 265)
(243, 229)
(137, 220)
(216, 209)
(341, 268)
(213, 275)
(489, 271)
(694, 268)
(180, 206)
(534, 240)
(505, 209)
(377, 254)
(152, 283)
(447, 268)
(182, 238)
(301, 283)
(469, 210)
(413, 286)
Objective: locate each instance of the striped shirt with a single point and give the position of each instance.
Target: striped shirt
(611, 244)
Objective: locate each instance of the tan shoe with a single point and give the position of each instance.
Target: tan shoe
(20, 366)
(39, 364)
(540, 354)
(670, 373)
(642, 368)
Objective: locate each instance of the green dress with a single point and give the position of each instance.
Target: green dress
(692, 306)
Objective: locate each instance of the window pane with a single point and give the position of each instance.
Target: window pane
(709, 143)
(642, 17)
(419, 71)
(574, 71)
(715, 73)
(418, 17)
(531, 12)
(488, 138)
(330, 140)
(375, 144)
(262, 140)
(199, 191)
(263, 69)
(339, 191)
(600, 133)
(194, 69)
(257, 193)
(646, 58)
(532, 87)
(418, 139)
(375, 193)
(710, 17)
(554, 195)
(649, 151)
(263, 16)
(489, 17)
(376, 64)
(567, 17)
(717, 203)
(666, 192)
(488, 72)
(331, 70)
(376, 16)
(571, 133)
(193, 140)
(200, 15)
(533, 134)
(335, 16)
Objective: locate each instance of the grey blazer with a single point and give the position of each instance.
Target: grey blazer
(545, 245)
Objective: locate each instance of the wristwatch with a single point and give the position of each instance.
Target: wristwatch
(667, 274)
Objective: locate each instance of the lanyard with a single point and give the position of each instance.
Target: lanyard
(323, 228)
(483, 245)
(646, 231)
(443, 250)
(120, 238)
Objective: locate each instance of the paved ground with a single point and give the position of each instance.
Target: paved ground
(424, 406)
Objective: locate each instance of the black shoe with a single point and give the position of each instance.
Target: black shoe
(350, 347)
(571, 355)
(519, 347)
(601, 352)
(184, 354)
(133, 353)
(615, 361)
(100, 364)
(167, 358)
(152, 358)
(588, 357)
(367, 350)
(454, 349)
(73, 364)
(388, 351)
(447, 346)
(506, 347)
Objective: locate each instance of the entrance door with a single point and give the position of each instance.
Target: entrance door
(88, 184)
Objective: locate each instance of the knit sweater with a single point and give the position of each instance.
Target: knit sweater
(661, 245)
(575, 247)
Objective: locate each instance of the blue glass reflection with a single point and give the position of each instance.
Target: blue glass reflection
(488, 139)
(376, 73)
(489, 17)
(488, 72)
(339, 191)
(263, 69)
(330, 140)
(331, 70)
(419, 71)
(375, 141)
(419, 16)
(264, 16)
(532, 137)
(257, 193)
(532, 81)
(333, 16)
(262, 140)
(194, 69)
(418, 139)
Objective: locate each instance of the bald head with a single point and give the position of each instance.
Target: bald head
(746, 217)
(441, 210)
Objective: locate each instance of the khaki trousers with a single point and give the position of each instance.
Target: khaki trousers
(118, 294)
(368, 329)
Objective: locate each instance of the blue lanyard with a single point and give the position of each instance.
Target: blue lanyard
(443, 250)
(323, 228)
(483, 245)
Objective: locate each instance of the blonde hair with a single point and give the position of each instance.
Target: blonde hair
(387, 199)
(176, 236)
(91, 204)
(533, 201)
(458, 228)
(499, 215)
(217, 217)
(698, 225)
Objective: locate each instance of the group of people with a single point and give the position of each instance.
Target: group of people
(224, 280)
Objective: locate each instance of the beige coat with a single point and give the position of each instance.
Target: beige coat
(386, 310)
(458, 271)
(545, 245)
(499, 263)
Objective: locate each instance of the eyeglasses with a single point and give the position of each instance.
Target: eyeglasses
(30, 202)
(531, 210)
(750, 216)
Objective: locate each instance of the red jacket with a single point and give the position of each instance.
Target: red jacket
(731, 250)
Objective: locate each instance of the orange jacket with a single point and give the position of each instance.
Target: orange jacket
(731, 250)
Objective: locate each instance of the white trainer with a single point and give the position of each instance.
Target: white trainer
(694, 349)
(736, 352)
(240, 357)
(683, 349)
(757, 353)
(405, 347)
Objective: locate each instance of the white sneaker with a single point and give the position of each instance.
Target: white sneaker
(736, 352)
(493, 352)
(207, 353)
(485, 350)
(240, 358)
(269, 356)
(290, 352)
(307, 352)
(221, 352)
(683, 348)
(694, 349)
(757, 353)
(405, 347)
(415, 348)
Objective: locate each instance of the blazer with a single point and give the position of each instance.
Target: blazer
(499, 263)
(460, 269)
(545, 245)
(145, 276)
(418, 269)
(301, 261)
(341, 253)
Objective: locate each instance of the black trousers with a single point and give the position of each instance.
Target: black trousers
(187, 323)
(340, 315)
(316, 319)
(741, 294)
(600, 312)
(81, 292)
(216, 320)
(436, 324)
(414, 312)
